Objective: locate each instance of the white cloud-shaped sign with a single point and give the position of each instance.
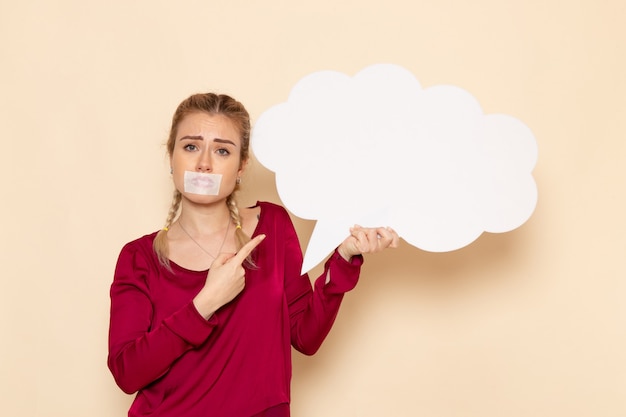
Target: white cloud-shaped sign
(377, 149)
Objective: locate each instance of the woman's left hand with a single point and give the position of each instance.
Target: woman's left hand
(367, 240)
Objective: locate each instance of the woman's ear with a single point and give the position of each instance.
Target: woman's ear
(242, 167)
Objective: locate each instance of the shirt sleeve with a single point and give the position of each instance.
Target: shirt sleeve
(312, 310)
(138, 352)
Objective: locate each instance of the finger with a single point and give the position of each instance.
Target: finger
(388, 237)
(364, 240)
(358, 231)
(395, 242)
(369, 240)
(247, 249)
(360, 237)
(355, 229)
(372, 236)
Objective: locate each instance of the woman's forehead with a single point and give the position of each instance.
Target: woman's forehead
(201, 124)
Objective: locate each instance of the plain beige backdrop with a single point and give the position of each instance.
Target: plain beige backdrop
(527, 323)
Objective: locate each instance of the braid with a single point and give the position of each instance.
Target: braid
(241, 237)
(160, 244)
(176, 199)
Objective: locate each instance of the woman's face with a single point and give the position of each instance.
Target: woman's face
(208, 144)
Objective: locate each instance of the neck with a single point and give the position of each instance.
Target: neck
(204, 219)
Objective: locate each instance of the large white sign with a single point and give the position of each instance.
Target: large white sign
(377, 149)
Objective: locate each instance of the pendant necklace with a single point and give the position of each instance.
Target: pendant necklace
(200, 246)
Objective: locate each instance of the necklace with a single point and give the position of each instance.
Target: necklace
(200, 246)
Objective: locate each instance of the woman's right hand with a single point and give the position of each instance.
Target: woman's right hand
(226, 279)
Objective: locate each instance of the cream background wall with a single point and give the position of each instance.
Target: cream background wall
(528, 323)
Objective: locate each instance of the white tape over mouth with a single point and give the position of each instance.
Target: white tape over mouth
(202, 183)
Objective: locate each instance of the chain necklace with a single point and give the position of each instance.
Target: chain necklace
(200, 246)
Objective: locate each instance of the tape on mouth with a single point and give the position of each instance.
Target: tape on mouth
(202, 183)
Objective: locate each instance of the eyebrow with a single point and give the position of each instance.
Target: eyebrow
(198, 137)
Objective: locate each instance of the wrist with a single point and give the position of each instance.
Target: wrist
(204, 308)
(346, 256)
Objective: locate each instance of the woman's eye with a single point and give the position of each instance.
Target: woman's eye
(223, 152)
(190, 147)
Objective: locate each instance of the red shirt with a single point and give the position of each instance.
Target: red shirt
(237, 363)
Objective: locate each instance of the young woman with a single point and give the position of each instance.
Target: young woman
(205, 311)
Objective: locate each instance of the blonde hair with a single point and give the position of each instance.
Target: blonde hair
(212, 104)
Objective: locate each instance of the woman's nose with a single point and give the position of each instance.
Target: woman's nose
(204, 164)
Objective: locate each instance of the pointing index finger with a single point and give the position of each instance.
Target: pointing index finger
(247, 249)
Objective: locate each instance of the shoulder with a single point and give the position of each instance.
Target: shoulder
(273, 211)
(262, 215)
(141, 245)
(271, 207)
(136, 259)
